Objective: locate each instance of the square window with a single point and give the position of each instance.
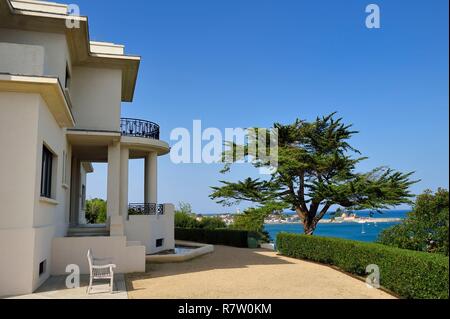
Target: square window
(42, 267)
(160, 242)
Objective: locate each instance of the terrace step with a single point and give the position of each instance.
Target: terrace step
(88, 231)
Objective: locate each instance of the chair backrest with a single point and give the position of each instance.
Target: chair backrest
(90, 260)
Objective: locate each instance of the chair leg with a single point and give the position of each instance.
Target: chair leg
(90, 286)
(112, 284)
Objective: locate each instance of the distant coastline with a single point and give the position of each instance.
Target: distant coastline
(357, 217)
(357, 221)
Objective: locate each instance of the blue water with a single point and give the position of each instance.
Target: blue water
(354, 231)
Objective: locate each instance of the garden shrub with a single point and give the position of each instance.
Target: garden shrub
(226, 237)
(410, 274)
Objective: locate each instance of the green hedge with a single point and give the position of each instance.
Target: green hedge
(226, 237)
(410, 274)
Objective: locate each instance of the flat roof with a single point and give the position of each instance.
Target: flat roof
(47, 16)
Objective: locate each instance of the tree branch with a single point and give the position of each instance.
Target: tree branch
(301, 190)
(322, 212)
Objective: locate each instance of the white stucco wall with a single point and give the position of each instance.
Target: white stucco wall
(21, 59)
(147, 229)
(67, 251)
(18, 137)
(50, 218)
(28, 223)
(50, 134)
(96, 98)
(19, 115)
(55, 47)
(16, 267)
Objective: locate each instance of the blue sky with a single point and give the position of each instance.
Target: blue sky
(241, 63)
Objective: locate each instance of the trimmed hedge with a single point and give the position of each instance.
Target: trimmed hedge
(410, 274)
(226, 237)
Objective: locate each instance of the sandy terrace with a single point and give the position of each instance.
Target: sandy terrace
(246, 273)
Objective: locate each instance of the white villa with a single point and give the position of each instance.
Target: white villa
(60, 111)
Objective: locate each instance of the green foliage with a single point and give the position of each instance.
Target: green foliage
(96, 211)
(212, 223)
(316, 170)
(426, 228)
(185, 218)
(226, 237)
(253, 220)
(185, 208)
(410, 274)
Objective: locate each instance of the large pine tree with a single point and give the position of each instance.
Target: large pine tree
(316, 170)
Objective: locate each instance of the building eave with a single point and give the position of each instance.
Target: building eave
(145, 145)
(50, 90)
(88, 168)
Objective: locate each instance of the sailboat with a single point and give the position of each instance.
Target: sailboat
(362, 222)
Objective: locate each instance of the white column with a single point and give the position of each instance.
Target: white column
(113, 195)
(124, 157)
(151, 178)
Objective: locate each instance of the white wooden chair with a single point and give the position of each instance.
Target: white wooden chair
(100, 269)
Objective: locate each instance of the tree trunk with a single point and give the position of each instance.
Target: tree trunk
(309, 227)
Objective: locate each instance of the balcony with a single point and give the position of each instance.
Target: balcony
(146, 209)
(139, 128)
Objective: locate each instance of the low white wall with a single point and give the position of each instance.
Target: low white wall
(71, 250)
(268, 246)
(147, 229)
(201, 249)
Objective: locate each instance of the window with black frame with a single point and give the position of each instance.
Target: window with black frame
(46, 177)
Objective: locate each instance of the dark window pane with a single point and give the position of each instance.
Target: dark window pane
(46, 177)
(42, 267)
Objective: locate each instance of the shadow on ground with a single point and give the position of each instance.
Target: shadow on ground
(55, 288)
(245, 273)
(222, 258)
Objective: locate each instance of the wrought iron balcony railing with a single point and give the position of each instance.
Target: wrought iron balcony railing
(145, 209)
(139, 128)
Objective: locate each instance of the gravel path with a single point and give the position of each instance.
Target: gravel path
(245, 273)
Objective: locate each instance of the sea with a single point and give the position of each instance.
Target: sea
(367, 232)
